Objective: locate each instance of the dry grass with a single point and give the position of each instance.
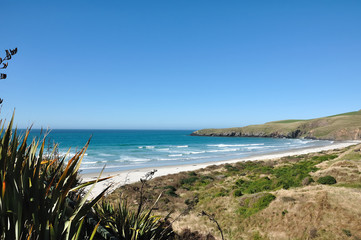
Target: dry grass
(310, 212)
(326, 209)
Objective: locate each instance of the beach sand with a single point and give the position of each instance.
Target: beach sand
(130, 176)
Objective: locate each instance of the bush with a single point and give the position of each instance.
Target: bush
(259, 185)
(221, 194)
(347, 232)
(205, 180)
(40, 196)
(237, 193)
(172, 188)
(255, 204)
(125, 223)
(171, 191)
(230, 168)
(328, 180)
(189, 181)
(323, 158)
(187, 234)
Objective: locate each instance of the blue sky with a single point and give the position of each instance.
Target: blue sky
(179, 64)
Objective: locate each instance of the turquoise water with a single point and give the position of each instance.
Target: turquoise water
(131, 149)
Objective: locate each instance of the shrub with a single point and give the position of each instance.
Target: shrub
(292, 176)
(255, 204)
(205, 180)
(40, 197)
(189, 181)
(256, 167)
(264, 201)
(171, 191)
(187, 234)
(237, 193)
(172, 188)
(125, 223)
(221, 193)
(325, 157)
(192, 202)
(230, 168)
(347, 232)
(259, 185)
(328, 180)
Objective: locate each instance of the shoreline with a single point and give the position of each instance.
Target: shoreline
(131, 176)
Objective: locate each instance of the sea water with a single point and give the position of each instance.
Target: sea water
(131, 149)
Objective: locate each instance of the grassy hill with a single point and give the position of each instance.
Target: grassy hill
(273, 199)
(346, 126)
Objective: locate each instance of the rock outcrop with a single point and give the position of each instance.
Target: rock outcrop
(345, 126)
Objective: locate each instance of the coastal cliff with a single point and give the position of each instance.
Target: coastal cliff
(346, 126)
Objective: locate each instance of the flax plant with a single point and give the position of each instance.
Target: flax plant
(125, 223)
(128, 224)
(40, 197)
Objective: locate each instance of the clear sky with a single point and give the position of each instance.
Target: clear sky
(179, 64)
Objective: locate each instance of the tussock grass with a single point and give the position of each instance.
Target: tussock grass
(271, 198)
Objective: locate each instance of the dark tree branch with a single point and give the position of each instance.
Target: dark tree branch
(9, 54)
(211, 217)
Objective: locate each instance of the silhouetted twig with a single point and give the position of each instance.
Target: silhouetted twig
(9, 53)
(147, 177)
(211, 217)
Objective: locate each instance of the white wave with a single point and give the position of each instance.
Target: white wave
(105, 154)
(192, 158)
(235, 145)
(197, 152)
(224, 150)
(140, 147)
(304, 141)
(149, 147)
(162, 149)
(89, 162)
(182, 146)
(110, 166)
(167, 159)
(250, 148)
(175, 155)
(131, 159)
(140, 160)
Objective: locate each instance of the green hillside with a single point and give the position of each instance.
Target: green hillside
(346, 126)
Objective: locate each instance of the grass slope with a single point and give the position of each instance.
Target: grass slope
(346, 126)
(275, 199)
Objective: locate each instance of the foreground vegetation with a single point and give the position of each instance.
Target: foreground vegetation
(346, 126)
(42, 197)
(298, 197)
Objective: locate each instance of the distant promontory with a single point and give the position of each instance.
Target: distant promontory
(346, 126)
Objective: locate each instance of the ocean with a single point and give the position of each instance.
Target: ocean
(132, 149)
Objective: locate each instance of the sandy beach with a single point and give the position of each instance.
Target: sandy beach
(125, 177)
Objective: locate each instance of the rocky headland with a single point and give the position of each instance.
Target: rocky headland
(346, 126)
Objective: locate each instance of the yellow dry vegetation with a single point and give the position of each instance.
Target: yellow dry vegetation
(308, 211)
